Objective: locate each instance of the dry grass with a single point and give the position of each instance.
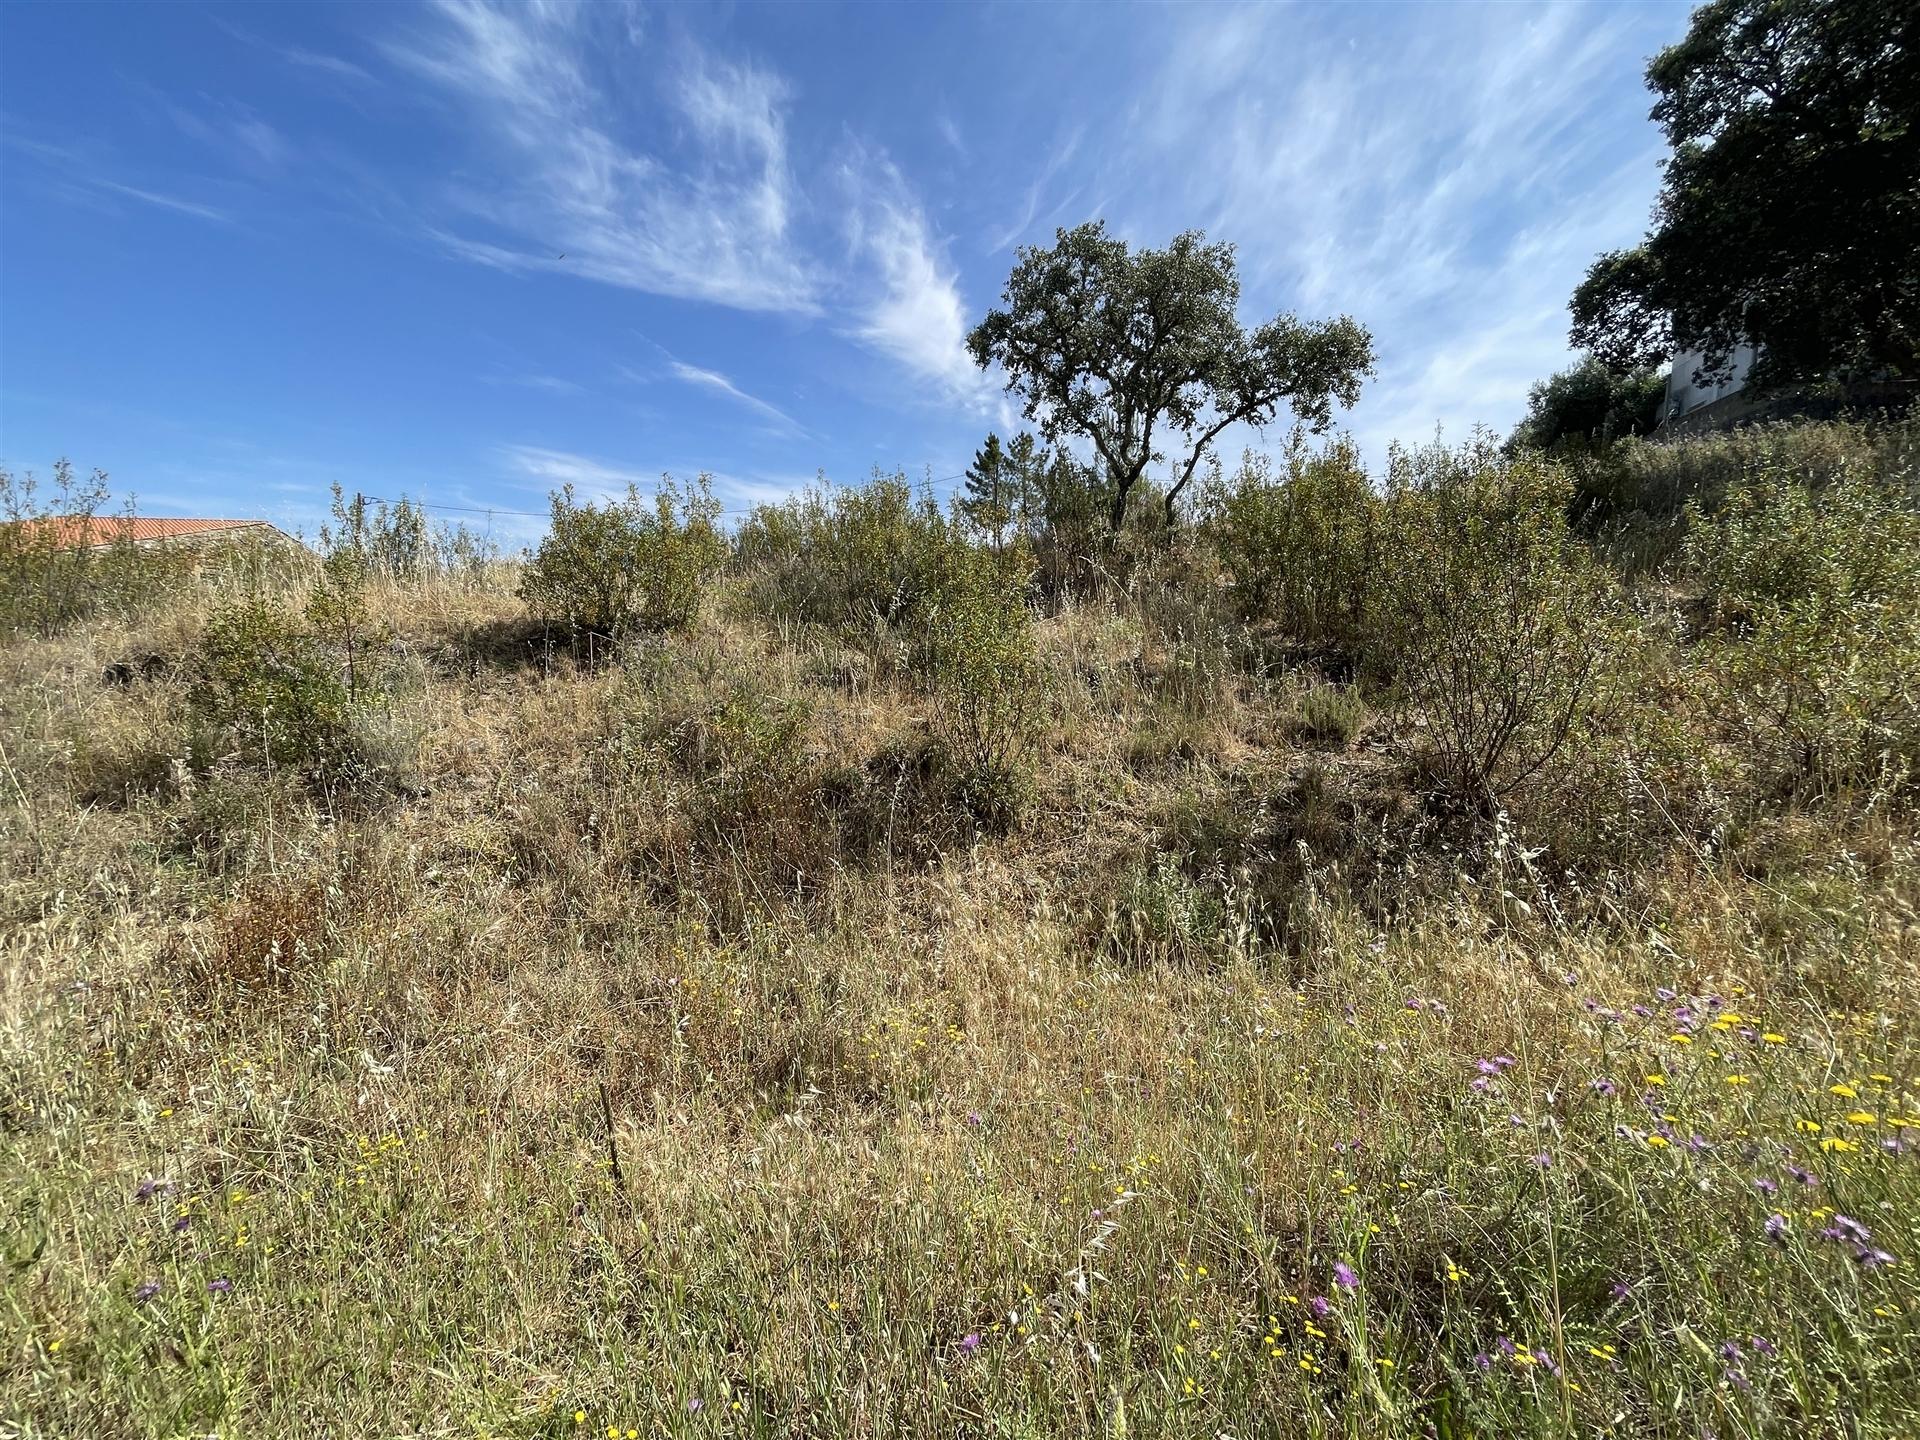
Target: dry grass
(1058, 1132)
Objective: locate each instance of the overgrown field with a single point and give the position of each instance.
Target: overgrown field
(1435, 955)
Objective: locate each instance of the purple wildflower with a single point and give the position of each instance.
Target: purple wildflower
(1776, 1227)
(1805, 1177)
(973, 1117)
(150, 1187)
(1729, 1349)
(1620, 1290)
(1505, 1062)
(145, 1291)
(1546, 1362)
(970, 1342)
(694, 1403)
(1603, 1087)
(1482, 1085)
(1851, 1229)
(1766, 1186)
(1344, 1277)
(1543, 1160)
(1762, 1346)
(1663, 994)
(1486, 1067)
(182, 1223)
(1483, 1361)
(222, 1286)
(1642, 1011)
(1318, 1304)
(1504, 1346)
(1872, 1259)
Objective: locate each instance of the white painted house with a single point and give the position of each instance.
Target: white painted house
(1684, 397)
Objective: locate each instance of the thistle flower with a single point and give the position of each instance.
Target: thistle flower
(1344, 1277)
(1776, 1227)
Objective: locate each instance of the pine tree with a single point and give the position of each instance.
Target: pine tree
(988, 502)
(1024, 464)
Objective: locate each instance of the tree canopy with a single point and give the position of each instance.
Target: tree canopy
(1789, 215)
(1142, 354)
(1587, 404)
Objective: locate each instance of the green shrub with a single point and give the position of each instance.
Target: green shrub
(1656, 479)
(264, 689)
(1814, 596)
(1301, 548)
(626, 565)
(1330, 715)
(986, 688)
(849, 556)
(50, 577)
(1493, 620)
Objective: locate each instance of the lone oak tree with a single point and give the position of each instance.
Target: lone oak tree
(1789, 215)
(1130, 348)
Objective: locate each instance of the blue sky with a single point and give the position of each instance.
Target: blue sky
(468, 252)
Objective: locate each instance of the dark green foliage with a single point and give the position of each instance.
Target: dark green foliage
(1587, 405)
(626, 566)
(1301, 548)
(1789, 216)
(1144, 356)
(989, 499)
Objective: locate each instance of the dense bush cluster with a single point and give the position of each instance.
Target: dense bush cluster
(629, 566)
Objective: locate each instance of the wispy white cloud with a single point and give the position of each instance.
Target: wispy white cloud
(950, 132)
(713, 380)
(552, 469)
(1057, 159)
(234, 131)
(165, 202)
(326, 64)
(334, 66)
(1398, 179)
(551, 384)
(707, 220)
(912, 310)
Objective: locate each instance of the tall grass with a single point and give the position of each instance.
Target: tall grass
(1232, 1087)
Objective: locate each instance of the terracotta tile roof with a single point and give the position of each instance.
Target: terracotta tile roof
(99, 530)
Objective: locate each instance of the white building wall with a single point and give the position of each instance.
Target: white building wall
(1684, 397)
